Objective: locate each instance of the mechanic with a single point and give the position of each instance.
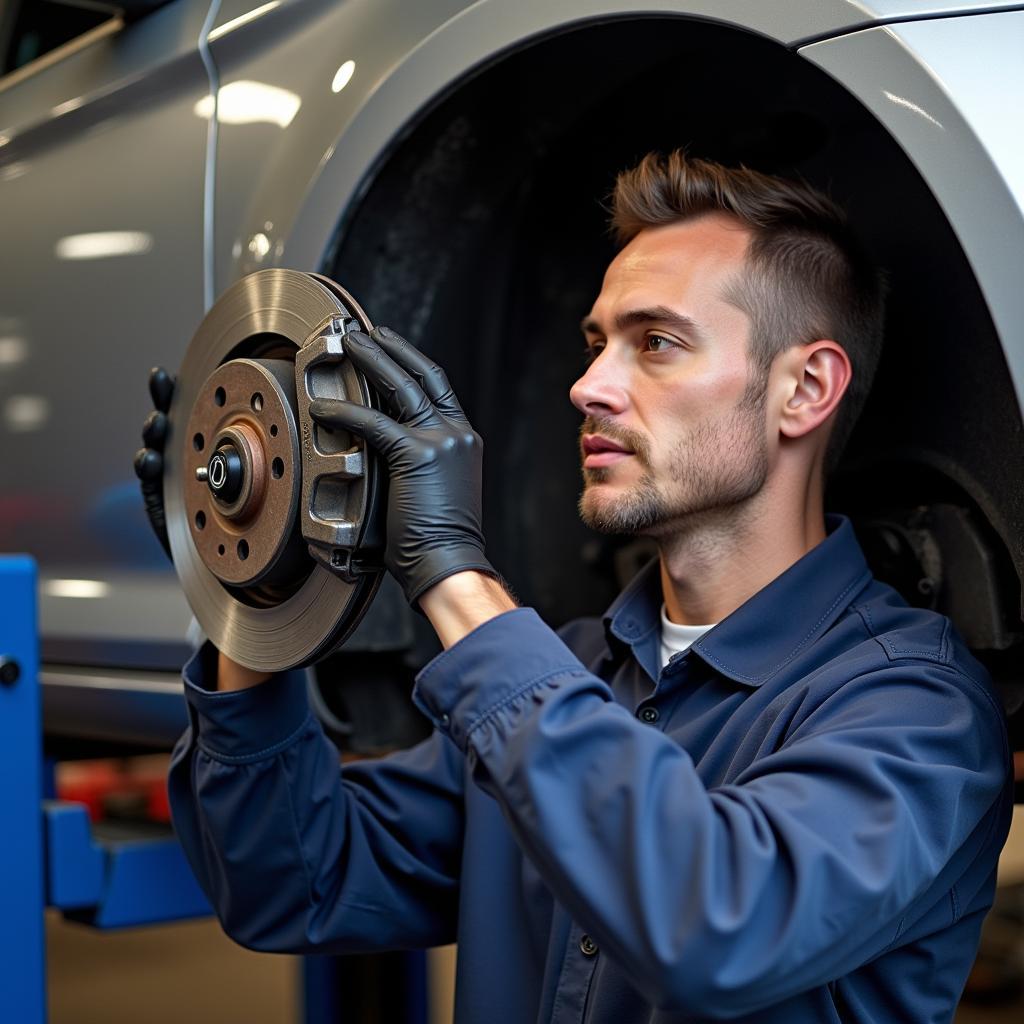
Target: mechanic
(761, 787)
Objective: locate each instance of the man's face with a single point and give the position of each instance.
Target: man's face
(674, 414)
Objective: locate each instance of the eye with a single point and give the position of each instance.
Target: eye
(591, 352)
(659, 343)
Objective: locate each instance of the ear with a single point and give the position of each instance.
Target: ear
(817, 376)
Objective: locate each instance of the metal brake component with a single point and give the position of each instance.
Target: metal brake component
(332, 461)
(274, 522)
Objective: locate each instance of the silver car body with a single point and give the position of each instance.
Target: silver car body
(124, 215)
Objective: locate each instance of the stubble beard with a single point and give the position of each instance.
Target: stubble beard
(711, 474)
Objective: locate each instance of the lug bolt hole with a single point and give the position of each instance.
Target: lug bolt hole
(220, 549)
(256, 402)
(273, 430)
(219, 396)
(277, 469)
(243, 550)
(200, 519)
(199, 442)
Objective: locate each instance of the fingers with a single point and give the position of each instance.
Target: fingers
(408, 401)
(161, 388)
(149, 465)
(371, 425)
(154, 430)
(430, 376)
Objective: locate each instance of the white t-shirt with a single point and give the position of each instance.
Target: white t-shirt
(675, 638)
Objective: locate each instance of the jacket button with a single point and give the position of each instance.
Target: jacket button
(444, 721)
(588, 947)
(649, 714)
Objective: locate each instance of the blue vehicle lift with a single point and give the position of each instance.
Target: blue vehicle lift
(104, 876)
(51, 854)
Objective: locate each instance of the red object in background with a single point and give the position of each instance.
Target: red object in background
(131, 788)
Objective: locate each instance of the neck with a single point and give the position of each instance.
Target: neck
(714, 561)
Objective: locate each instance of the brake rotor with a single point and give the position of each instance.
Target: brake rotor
(274, 522)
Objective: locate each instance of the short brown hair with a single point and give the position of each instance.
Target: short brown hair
(806, 276)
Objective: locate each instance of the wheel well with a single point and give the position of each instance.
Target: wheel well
(482, 237)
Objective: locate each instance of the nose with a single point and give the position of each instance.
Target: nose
(600, 391)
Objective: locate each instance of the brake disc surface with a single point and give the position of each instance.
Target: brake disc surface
(273, 521)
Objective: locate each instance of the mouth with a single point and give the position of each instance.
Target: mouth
(601, 451)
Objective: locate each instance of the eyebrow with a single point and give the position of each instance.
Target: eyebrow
(652, 314)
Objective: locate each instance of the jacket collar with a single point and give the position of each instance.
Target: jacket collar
(766, 632)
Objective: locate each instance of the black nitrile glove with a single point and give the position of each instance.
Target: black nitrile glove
(149, 461)
(434, 459)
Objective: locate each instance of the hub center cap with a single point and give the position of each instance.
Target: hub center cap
(225, 474)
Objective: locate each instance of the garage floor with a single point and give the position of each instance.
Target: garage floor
(188, 971)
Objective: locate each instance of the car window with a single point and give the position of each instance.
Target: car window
(29, 29)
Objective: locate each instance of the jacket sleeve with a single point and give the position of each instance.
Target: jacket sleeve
(722, 901)
(299, 855)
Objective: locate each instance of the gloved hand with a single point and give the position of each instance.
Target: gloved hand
(149, 460)
(434, 459)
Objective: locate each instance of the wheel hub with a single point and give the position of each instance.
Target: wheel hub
(241, 476)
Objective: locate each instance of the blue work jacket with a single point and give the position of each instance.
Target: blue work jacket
(796, 821)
